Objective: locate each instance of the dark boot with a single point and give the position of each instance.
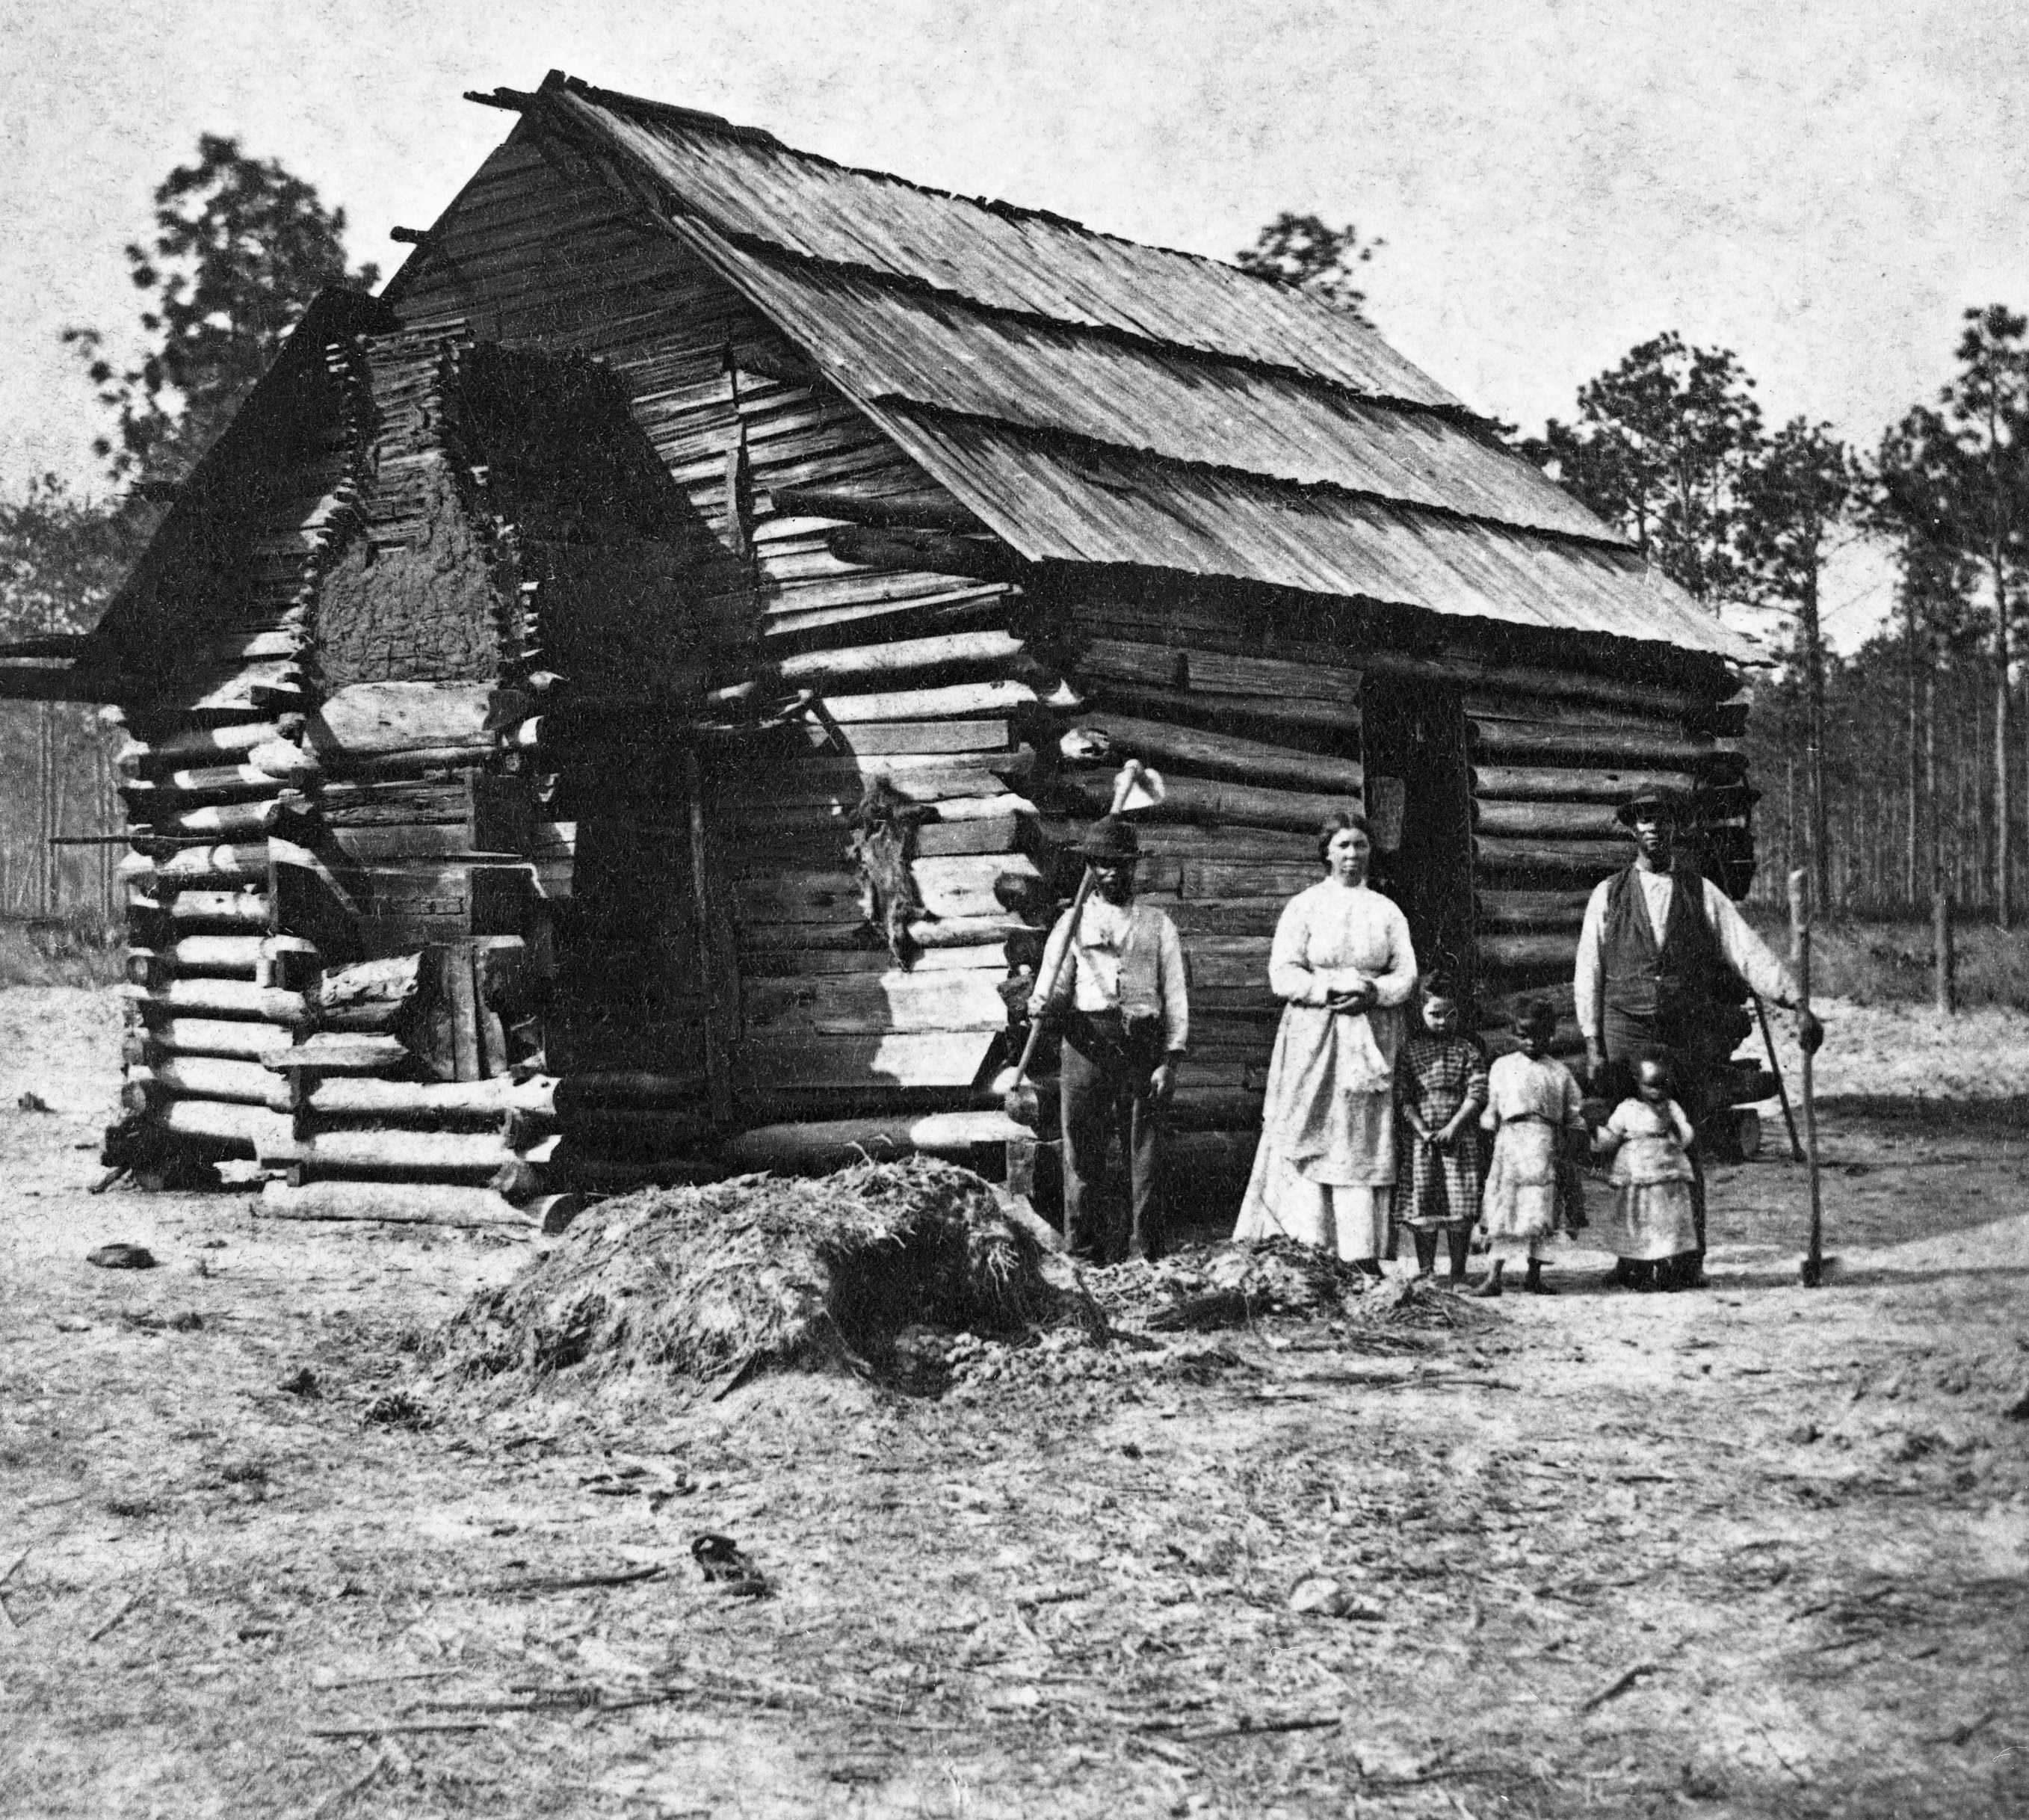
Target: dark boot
(1460, 1247)
(1426, 1249)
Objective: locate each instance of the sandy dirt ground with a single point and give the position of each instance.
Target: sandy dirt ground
(1758, 1550)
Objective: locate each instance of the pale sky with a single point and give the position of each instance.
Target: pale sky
(1820, 187)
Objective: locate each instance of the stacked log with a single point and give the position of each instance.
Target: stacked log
(215, 982)
(1549, 770)
(831, 1014)
(1255, 751)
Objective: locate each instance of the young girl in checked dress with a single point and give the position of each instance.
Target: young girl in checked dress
(1533, 1102)
(1440, 1092)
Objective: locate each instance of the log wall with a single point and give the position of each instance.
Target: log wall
(385, 859)
(1546, 774)
(913, 673)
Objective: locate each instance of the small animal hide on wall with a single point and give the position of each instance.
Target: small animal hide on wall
(882, 849)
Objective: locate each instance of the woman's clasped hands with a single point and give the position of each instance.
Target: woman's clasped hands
(1351, 999)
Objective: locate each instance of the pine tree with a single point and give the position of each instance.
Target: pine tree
(1792, 493)
(1302, 251)
(241, 246)
(1658, 448)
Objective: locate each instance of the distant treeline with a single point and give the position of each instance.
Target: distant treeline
(1909, 775)
(57, 760)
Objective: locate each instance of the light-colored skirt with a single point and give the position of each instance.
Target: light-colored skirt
(1347, 1218)
(1520, 1206)
(1650, 1221)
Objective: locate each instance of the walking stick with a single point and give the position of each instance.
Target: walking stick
(1133, 773)
(1800, 936)
(1775, 1068)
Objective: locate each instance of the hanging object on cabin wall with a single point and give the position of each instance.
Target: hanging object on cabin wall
(1139, 786)
(882, 849)
(1387, 803)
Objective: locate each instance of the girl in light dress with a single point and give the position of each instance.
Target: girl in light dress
(1648, 1138)
(1440, 1092)
(1533, 1103)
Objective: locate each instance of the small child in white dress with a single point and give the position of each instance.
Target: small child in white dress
(1649, 1137)
(1533, 1100)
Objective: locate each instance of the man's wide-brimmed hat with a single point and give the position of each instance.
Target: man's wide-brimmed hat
(1111, 840)
(1660, 804)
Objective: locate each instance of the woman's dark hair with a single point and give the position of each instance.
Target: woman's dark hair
(1337, 824)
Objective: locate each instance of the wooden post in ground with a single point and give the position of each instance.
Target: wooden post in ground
(1800, 935)
(1943, 959)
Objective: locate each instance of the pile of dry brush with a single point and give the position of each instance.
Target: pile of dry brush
(709, 1286)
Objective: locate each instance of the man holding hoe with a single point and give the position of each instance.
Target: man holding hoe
(1661, 946)
(1112, 983)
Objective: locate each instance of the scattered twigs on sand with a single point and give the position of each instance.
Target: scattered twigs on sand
(13, 1567)
(126, 1606)
(395, 1728)
(1248, 1727)
(1964, 1734)
(435, 1674)
(1619, 1684)
(567, 1582)
(338, 1797)
(688, 1681)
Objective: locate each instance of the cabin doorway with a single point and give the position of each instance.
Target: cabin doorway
(1420, 810)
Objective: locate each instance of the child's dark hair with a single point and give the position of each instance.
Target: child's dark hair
(1654, 1056)
(1536, 1014)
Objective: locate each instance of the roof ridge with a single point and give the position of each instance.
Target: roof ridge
(557, 80)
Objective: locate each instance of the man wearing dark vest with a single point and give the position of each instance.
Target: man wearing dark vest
(1122, 1006)
(1659, 956)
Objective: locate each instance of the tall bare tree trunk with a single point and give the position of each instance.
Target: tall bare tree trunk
(1792, 847)
(1914, 780)
(1814, 746)
(2004, 890)
(1936, 855)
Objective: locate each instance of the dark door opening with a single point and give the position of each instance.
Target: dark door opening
(1419, 805)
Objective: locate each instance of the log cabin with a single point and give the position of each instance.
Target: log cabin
(504, 685)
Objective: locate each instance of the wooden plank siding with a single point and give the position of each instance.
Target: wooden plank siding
(535, 251)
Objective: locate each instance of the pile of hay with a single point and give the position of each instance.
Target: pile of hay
(1228, 1285)
(1207, 1287)
(709, 1286)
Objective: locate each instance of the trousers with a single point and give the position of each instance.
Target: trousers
(1105, 1097)
(1692, 1048)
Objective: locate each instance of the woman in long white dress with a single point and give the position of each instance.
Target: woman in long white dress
(1343, 967)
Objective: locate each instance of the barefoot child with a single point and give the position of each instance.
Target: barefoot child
(1532, 1101)
(1440, 1092)
(1652, 1220)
